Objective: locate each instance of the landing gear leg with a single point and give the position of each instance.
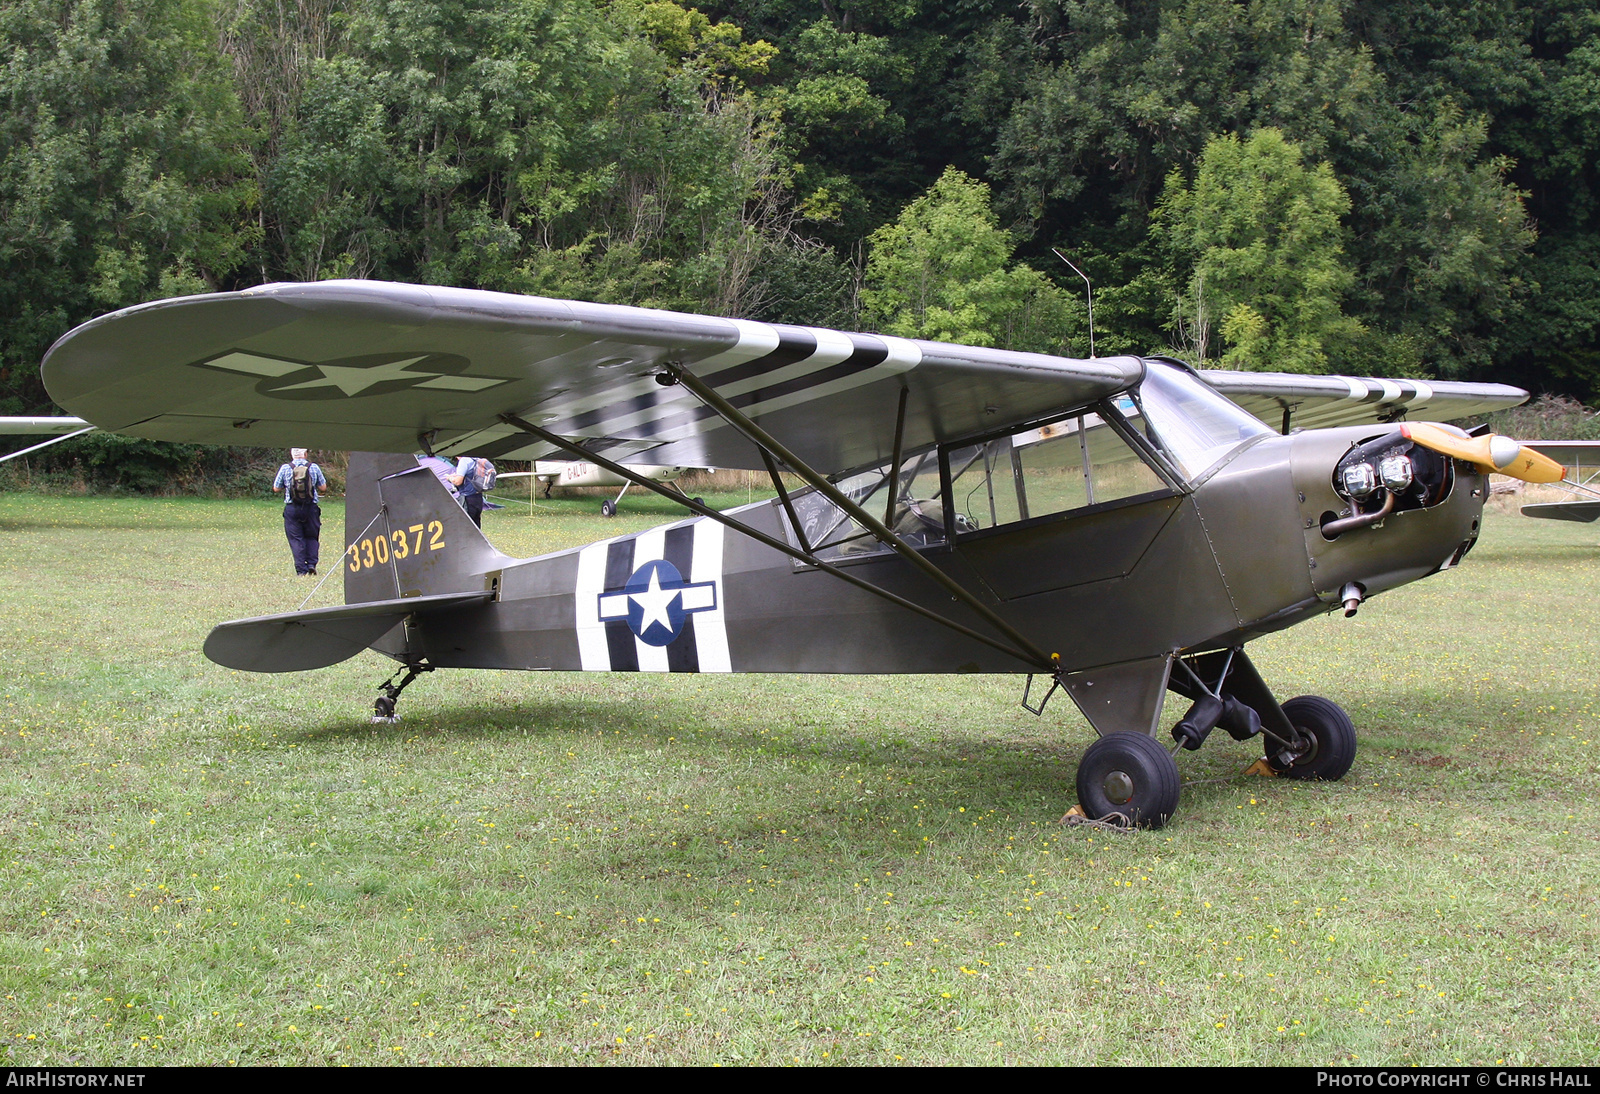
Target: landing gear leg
(383, 706)
(1307, 737)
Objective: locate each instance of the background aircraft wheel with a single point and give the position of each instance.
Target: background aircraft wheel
(1331, 735)
(699, 501)
(1131, 774)
(608, 508)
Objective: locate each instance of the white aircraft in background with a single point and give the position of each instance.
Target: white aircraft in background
(63, 428)
(1582, 460)
(582, 473)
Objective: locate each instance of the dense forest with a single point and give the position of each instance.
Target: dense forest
(1399, 188)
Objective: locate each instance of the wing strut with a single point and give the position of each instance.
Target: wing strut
(767, 443)
(47, 444)
(1026, 653)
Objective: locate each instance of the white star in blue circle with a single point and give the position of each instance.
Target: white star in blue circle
(656, 601)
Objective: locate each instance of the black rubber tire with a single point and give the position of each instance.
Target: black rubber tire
(608, 508)
(1151, 778)
(1330, 727)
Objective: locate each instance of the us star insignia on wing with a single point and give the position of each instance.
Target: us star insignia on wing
(352, 377)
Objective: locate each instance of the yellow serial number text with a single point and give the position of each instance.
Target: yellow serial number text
(377, 550)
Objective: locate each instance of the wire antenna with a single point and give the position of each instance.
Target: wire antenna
(1073, 267)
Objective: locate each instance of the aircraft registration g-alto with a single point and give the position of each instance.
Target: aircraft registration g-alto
(576, 473)
(1114, 527)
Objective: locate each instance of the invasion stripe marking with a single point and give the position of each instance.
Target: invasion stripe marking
(710, 627)
(605, 640)
(593, 650)
(646, 548)
(865, 357)
(683, 654)
(795, 345)
(620, 643)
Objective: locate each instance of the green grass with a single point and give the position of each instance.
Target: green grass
(203, 866)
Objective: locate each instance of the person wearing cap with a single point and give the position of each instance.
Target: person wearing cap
(302, 516)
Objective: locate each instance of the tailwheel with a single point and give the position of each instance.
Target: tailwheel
(384, 705)
(1326, 741)
(1130, 774)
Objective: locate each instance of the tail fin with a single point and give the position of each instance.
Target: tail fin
(406, 536)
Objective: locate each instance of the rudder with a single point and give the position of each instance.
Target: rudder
(406, 536)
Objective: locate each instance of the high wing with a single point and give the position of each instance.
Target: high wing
(372, 366)
(1284, 400)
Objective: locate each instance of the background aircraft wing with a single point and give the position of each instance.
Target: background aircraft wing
(1583, 512)
(1573, 455)
(40, 426)
(369, 366)
(1317, 402)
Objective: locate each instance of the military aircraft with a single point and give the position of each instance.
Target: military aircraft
(1111, 528)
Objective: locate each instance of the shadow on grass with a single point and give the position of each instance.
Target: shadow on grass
(970, 765)
(872, 793)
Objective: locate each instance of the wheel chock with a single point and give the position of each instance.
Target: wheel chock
(1260, 767)
(1072, 815)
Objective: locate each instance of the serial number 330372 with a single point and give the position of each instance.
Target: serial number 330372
(375, 550)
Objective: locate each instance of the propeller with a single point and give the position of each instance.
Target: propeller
(1494, 452)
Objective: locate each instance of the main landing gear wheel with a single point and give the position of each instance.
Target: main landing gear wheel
(1131, 774)
(1329, 738)
(608, 508)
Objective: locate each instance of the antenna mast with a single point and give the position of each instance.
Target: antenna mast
(1086, 281)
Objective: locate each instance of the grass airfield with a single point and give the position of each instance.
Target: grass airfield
(210, 867)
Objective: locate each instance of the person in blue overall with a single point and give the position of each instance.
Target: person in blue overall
(299, 481)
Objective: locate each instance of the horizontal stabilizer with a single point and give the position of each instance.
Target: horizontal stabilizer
(296, 641)
(1583, 512)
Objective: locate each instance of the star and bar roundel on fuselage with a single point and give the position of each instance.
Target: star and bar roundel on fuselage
(653, 602)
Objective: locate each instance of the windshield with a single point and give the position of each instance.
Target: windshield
(1056, 468)
(1188, 421)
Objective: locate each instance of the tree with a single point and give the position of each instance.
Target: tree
(939, 272)
(123, 168)
(1261, 230)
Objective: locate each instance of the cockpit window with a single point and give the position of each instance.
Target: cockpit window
(917, 516)
(1185, 419)
(1065, 465)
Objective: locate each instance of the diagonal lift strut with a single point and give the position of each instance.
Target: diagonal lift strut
(1022, 649)
(767, 443)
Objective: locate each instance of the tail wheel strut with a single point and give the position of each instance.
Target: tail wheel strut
(383, 706)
